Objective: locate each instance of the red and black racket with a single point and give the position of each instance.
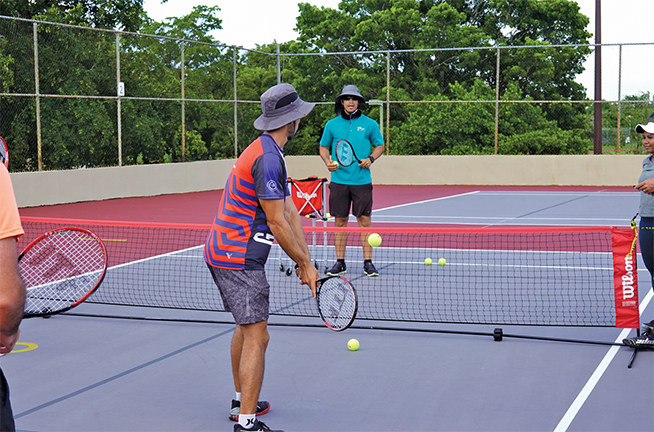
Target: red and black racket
(4, 152)
(337, 302)
(61, 269)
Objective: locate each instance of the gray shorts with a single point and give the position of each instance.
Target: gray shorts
(245, 293)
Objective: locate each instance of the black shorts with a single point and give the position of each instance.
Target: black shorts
(341, 197)
(6, 416)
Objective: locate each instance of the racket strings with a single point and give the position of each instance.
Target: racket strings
(337, 303)
(60, 270)
(344, 153)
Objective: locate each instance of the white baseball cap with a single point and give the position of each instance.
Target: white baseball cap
(649, 127)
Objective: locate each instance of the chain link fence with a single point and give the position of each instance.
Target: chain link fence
(76, 97)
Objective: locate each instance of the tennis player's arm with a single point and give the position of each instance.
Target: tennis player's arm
(377, 141)
(376, 154)
(12, 295)
(327, 159)
(285, 236)
(293, 218)
(378, 151)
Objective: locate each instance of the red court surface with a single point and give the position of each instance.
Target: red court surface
(200, 207)
(89, 372)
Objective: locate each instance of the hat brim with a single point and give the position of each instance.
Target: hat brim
(642, 128)
(301, 109)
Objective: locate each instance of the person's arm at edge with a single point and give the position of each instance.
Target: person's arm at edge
(12, 295)
(293, 218)
(377, 140)
(325, 156)
(285, 236)
(376, 154)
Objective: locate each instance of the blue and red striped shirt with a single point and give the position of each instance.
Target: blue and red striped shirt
(240, 238)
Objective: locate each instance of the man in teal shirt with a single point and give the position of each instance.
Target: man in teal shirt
(351, 186)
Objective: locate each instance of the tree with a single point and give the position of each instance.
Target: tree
(109, 14)
(381, 25)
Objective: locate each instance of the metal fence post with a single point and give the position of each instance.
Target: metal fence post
(183, 108)
(279, 65)
(119, 123)
(37, 91)
(617, 148)
(235, 110)
(388, 102)
(497, 98)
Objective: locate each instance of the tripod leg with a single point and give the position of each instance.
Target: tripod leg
(633, 357)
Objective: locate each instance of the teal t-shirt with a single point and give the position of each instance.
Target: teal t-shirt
(362, 132)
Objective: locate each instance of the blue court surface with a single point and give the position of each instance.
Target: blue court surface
(81, 373)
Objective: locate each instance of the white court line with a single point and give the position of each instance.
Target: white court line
(570, 415)
(426, 201)
(502, 217)
(557, 193)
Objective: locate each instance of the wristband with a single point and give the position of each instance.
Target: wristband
(372, 159)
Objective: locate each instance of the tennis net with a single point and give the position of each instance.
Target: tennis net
(510, 275)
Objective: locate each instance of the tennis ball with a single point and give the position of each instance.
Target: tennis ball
(442, 261)
(328, 215)
(353, 344)
(428, 261)
(374, 239)
(308, 216)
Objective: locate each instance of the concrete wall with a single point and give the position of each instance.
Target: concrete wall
(56, 187)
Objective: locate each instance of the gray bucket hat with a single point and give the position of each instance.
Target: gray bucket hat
(348, 90)
(281, 105)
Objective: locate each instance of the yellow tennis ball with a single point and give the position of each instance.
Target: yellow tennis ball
(428, 261)
(328, 215)
(308, 216)
(353, 344)
(442, 261)
(374, 239)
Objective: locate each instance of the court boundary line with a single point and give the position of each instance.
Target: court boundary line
(588, 388)
(500, 220)
(425, 201)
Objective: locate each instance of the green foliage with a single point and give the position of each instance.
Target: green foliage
(462, 74)
(400, 34)
(114, 14)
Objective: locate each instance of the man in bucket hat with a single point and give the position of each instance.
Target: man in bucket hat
(253, 212)
(351, 185)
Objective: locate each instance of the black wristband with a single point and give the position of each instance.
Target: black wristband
(372, 159)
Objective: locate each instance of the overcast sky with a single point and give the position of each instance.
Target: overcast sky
(249, 22)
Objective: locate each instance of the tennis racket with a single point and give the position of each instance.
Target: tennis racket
(61, 269)
(345, 153)
(337, 302)
(4, 152)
